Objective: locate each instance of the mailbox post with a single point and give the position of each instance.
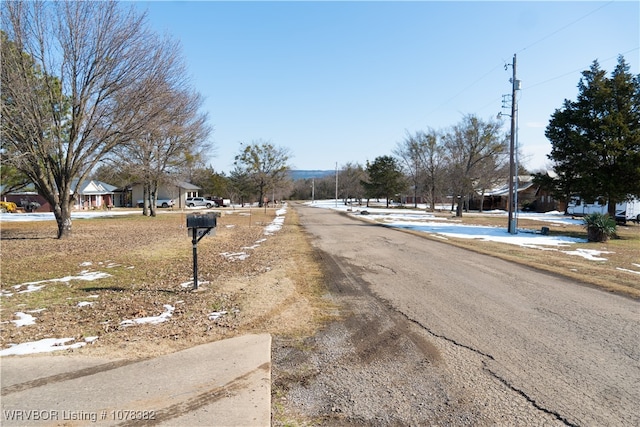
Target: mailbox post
(199, 225)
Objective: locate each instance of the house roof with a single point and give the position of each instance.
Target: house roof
(524, 183)
(187, 186)
(93, 187)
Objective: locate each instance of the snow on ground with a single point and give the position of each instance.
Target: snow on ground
(154, 320)
(36, 286)
(48, 216)
(450, 227)
(45, 345)
(24, 319)
(270, 229)
(277, 222)
(56, 344)
(444, 228)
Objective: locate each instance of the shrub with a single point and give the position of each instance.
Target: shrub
(8, 207)
(599, 227)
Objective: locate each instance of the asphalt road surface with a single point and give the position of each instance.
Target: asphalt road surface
(497, 342)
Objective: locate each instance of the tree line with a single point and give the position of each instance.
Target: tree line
(459, 162)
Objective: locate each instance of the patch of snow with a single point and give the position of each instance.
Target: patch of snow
(36, 286)
(45, 345)
(24, 319)
(84, 304)
(166, 315)
(486, 233)
(590, 254)
(48, 216)
(277, 222)
(189, 284)
(235, 256)
(30, 288)
(216, 314)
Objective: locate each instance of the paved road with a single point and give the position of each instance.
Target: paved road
(572, 351)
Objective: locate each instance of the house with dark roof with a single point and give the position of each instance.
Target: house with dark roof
(530, 197)
(92, 194)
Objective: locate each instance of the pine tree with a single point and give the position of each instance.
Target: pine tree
(596, 138)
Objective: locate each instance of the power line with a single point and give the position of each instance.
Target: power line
(578, 70)
(553, 33)
(565, 27)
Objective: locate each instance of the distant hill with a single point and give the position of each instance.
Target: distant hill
(307, 174)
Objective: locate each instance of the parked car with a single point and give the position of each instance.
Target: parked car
(192, 202)
(161, 203)
(220, 202)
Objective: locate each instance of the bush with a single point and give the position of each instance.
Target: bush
(8, 207)
(599, 227)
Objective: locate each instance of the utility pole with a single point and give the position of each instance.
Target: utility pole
(336, 184)
(515, 85)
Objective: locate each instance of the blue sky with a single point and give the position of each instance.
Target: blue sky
(338, 82)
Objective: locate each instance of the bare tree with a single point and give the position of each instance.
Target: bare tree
(76, 78)
(350, 179)
(263, 165)
(168, 145)
(435, 163)
(474, 152)
(423, 157)
(410, 152)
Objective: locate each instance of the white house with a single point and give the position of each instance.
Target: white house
(93, 195)
(178, 191)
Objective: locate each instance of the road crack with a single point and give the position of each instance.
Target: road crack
(528, 398)
(444, 337)
(503, 381)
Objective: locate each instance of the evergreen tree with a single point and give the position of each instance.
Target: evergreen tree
(596, 138)
(385, 178)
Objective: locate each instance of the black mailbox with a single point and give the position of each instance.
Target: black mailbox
(208, 220)
(200, 225)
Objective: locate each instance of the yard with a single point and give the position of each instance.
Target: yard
(115, 271)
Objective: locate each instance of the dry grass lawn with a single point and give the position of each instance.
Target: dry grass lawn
(276, 289)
